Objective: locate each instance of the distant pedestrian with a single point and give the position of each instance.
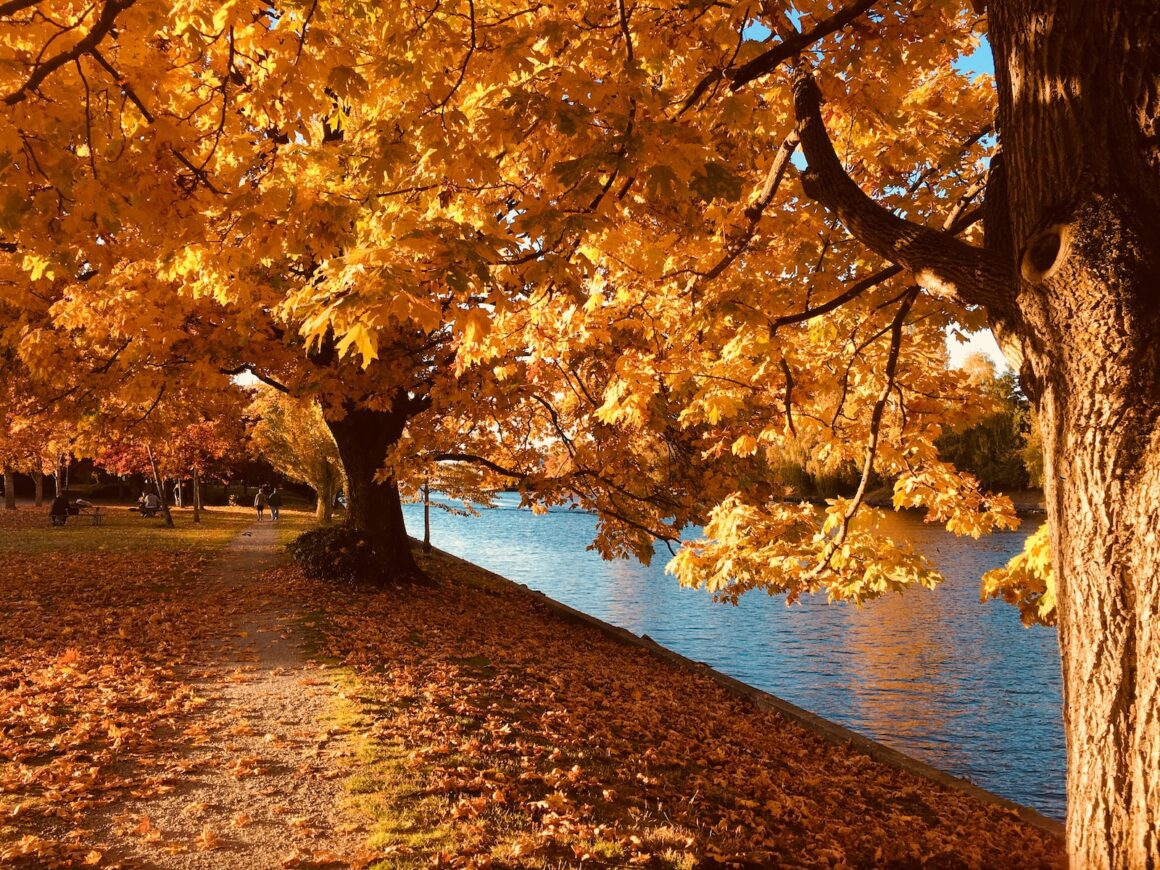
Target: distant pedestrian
(275, 502)
(260, 502)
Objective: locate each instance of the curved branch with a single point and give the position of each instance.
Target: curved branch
(757, 208)
(941, 264)
(473, 459)
(257, 373)
(768, 61)
(7, 10)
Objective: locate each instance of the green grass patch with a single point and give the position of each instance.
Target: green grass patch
(29, 530)
(385, 791)
(291, 524)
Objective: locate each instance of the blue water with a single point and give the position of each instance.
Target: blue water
(957, 683)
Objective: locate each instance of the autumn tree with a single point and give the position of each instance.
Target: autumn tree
(292, 435)
(1067, 279)
(35, 439)
(188, 451)
(569, 246)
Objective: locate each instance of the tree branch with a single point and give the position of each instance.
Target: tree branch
(757, 208)
(768, 61)
(839, 539)
(87, 43)
(473, 459)
(199, 174)
(264, 378)
(14, 6)
(942, 264)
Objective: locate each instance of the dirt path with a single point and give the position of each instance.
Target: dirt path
(263, 766)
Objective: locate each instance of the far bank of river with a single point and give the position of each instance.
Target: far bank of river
(957, 683)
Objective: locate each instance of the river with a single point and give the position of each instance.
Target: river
(960, 684)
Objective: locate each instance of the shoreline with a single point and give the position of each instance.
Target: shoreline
(504, 729)
(831, 731)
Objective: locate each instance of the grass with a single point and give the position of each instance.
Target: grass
(385, 790)
(28, 530)
(293, 523)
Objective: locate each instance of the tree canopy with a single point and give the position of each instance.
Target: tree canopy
(629, 255)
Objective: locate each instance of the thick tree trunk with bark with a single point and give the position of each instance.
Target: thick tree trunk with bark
(9, 489)
(38, 488)
(1070, 278)
(1079, 85)
(326, 488)
(374, 508)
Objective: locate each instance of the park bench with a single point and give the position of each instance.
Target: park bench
(96, 517)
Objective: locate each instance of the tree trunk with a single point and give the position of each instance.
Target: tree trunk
(9, 489)
(326, 487)
(374, 508)
(160, 490)
(196, 496)
(426, 518)
(1078, 85)
(38, 488)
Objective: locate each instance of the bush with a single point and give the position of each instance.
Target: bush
(336, 554)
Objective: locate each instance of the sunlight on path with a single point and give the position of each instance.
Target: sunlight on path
(263, 787)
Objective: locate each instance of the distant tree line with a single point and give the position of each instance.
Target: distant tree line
(1003, 449)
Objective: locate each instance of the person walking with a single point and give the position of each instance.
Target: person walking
(260, 501)
(275, 502)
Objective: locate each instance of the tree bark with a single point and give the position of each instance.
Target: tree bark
(374, 508)
(196, 496)
(1078, 86)
(9, 489)
(426, 518)
(326, 488)
(38, 488)
(160, 489)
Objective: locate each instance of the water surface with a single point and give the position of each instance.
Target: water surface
(936, 674)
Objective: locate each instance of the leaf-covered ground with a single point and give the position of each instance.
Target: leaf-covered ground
(507, 737)
(158, 708)
(155, 709)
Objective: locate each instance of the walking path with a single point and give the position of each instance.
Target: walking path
(263, 787)
(162, 709)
